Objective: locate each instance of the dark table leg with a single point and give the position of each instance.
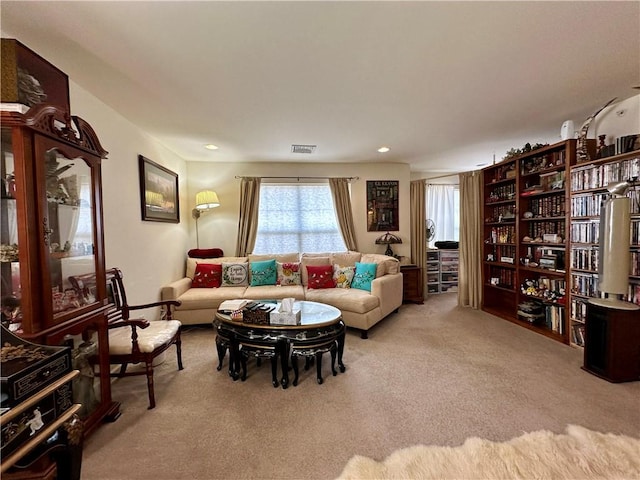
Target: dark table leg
(319, 367)
(334, 353)
(308, 361)
(221, 346)
(274, 370)
(283, 350)
(294, 364)
(234, 359)
(341, 338)
(243, 364)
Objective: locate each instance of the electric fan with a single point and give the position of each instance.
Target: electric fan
(430, 229)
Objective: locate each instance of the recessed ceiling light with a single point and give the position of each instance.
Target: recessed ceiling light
(211, 146)
(384, 149)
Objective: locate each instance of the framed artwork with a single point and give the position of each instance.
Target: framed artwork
(158, 192)
(382, 205)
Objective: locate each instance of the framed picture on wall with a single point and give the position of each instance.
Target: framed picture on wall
(158, 192)
(382, 205)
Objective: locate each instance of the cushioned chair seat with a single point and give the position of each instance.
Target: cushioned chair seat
(154, 336)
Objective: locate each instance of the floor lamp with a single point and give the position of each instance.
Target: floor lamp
(205, 200)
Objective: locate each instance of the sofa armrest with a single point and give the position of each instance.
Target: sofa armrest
(388, 289)
(175, 289)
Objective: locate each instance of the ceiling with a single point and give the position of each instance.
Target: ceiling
(445, 85)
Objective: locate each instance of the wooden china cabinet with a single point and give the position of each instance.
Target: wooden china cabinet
(51, 228)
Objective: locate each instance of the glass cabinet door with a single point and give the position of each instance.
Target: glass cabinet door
(9, 243)
(69, 232)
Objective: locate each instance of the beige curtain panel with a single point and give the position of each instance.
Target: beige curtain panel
(470, 267)
(248, 222)
(418, 215)
(342, 203)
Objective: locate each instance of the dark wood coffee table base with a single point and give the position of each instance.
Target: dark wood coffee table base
(287, 342)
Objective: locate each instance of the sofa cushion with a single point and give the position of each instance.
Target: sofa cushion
(385, 263)
(306, 260)
(364, 275)
(344, 299)
(347, 259)
(288, 273)
(207, 275)
(278, 257)
(235, 274)
(274, 292)
(263, 272)
(320, 276)
(208, 298)
(191, 263)
(343, 276)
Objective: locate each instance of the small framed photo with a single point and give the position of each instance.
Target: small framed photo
(159, 200)
(495, 281)
(548, 261)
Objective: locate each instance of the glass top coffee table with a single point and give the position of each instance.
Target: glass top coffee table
(321, 330)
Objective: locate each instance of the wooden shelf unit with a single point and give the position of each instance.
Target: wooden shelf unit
(588, 188)
(518, 215)
(525, 232)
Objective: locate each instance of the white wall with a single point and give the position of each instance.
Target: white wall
(218, 227)
(150, 254)
(621, 118)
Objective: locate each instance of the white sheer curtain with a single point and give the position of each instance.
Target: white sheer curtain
(297, 218)
(443, 207)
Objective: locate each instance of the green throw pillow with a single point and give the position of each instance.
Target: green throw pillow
(263, 273)
(365, 274)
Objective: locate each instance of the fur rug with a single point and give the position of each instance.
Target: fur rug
(580, 454)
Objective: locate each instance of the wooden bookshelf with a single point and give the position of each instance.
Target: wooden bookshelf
(541, 230)
(588, 189)
(525, 228)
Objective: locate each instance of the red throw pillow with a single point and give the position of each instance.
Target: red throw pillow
(208, 275)
(320, 276)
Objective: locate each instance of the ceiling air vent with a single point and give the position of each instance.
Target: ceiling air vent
(303, 148)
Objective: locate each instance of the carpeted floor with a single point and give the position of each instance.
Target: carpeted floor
(578, 454)
(432, 374)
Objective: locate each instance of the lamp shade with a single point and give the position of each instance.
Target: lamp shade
(387, 239)
(207, 199)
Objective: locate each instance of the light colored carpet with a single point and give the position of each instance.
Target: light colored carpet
(432, 374)
(580, 454)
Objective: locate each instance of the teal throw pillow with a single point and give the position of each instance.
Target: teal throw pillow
(263, 273)
(364, 275)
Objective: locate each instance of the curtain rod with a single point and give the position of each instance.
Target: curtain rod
(298, 178)
(442, 176)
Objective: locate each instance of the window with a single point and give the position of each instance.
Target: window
(443, 207)
(297, 218)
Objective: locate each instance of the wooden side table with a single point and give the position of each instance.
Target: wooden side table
(412, 288)
(612, 343)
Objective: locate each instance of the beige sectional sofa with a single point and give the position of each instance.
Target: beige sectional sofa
(361, 309)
